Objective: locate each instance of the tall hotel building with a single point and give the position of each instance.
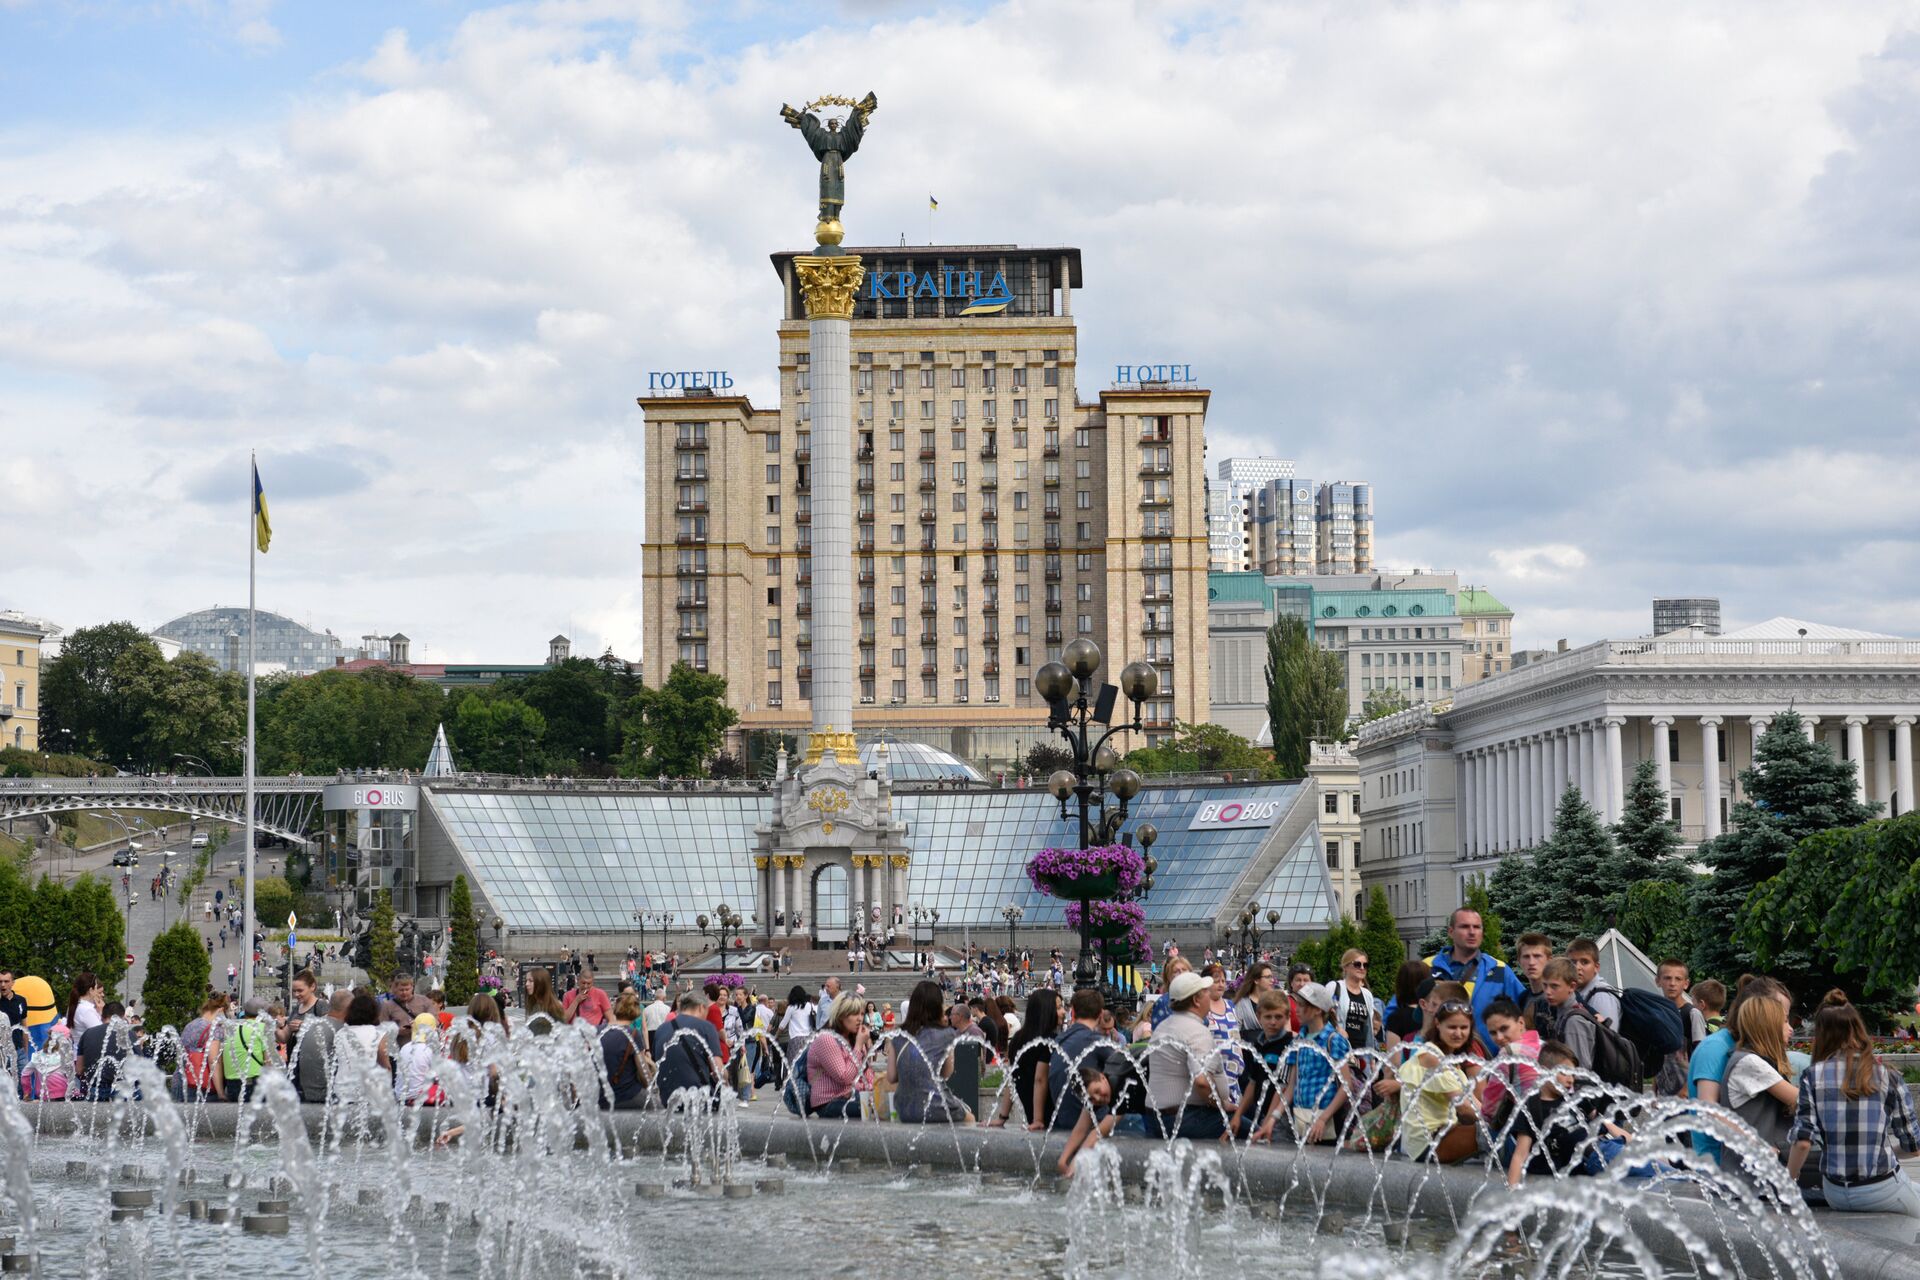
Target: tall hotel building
(998, 516)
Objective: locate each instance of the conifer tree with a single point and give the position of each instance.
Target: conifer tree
(1559, 889)
(463, 945)
(1645, 841)
(1380, 939)
(1795, 789)
(383, 945)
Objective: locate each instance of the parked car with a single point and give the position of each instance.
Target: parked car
(125, 858)
(199, 840)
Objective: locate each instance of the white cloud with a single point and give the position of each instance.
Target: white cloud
(1596, 301)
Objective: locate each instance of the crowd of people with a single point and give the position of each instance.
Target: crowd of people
(1537, 1067)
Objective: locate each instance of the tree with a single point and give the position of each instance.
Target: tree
(1342, 938)
(81, 691)
(1844, 903)
(383, 944)
(1559, 888)
(186, 707)
(1306, 695)
(726, 765)
(1655, 918)
(574, 701)
(1491, 939)
(463, 945)
(1646, 844)
(1381, 703)
(347, 720)
(1795, 789)
(1203, 748)
(498, 735)
(177, 974)
(1380, 939)
(1044, 757)
(676, 728)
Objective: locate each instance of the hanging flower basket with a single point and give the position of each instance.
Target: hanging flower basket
(1103, 871)
(1108, 920)
(1136, 946)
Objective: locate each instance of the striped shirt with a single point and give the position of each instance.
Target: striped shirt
(1856, 1134)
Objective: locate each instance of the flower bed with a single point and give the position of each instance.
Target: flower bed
(1103, 871)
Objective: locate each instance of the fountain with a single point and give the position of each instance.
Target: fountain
(520, 1173)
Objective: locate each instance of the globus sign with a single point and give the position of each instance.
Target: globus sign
(354, 795)
(1217, 814)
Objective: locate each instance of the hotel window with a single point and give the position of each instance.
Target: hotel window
(959, 410)
(1051, 407)
(899, 595)
(896, 471)
(898, 501)
(773, 693)
(1083, 469)
(1020, 562)
(929, 687)
(773, 628)
(989, 409)
(1020, 686)
(1019, 406)
(1086, 624)
(1083, 561)
(1083, 530)
(926, 379)
(1083, 499)
(896, 379)
(899, 690)
(900, 657)
(773, 659)
(773, 473)
(899, 627)
(897, 440)
(1019, 380)
(773, 535)
(960, 496)
(773, 504)
(926, 408)
(866, 380)
(773, 442)
(959, 376)
(1050, 378)
(1082, 437)
(958, 440)
(899, 535)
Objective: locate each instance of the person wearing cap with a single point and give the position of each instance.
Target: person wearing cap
(1314, 1095)
(1186, 1080)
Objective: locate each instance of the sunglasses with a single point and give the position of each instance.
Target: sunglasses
(1453, 1006)
(1357, 964)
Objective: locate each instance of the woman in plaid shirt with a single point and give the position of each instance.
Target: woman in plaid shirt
(1855, 1108)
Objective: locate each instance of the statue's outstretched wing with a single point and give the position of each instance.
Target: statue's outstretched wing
(818, 136)
(850, 132)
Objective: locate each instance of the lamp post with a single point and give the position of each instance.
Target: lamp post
(924, 918)
(1011, 914)
(723, 921)
(195, 761)
(126, 922)
(1249, 927)
(1079, 710)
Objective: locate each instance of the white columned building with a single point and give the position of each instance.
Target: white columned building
(1695, 705)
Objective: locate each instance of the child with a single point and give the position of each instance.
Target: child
(1437, 1113)
(1264, 1054)
(1313, 1095)
(1710, 998)
(1534, 952)
(1511, 1073)
(1546, 1133)
(1572, 1023)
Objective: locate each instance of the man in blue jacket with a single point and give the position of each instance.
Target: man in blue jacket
(1486, 978)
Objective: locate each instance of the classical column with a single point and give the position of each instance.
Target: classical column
(1710, 774)
(1523, 808)
(1614, 789)
(797, 899)
(828, 283)
(1510, 795)
(1809, 726)
(857, 884)
(1903, 762)
(1583, 761)
(779, 873)
(899, 892)
(1882, 773)
(763, 892)
(1663, 759)
(1857, 753)
(1489, 836)
(1559, 775)
(1538, 784)
(1498, 794)
(1466, 805)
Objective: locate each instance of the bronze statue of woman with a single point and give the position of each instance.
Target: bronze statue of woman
(832, 143)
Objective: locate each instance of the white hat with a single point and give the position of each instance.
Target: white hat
(1318, 996)
(1187, 985)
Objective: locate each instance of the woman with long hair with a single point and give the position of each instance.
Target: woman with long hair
(918, 1066)
(1030, 1058)
(539, 999)
(993, 1027)
(1438, 1119)
(1259, 977)
(837, 1062)
(84, 1005)
(1757, 1088)
(1858, 1111)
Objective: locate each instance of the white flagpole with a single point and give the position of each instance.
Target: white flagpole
(253, 546)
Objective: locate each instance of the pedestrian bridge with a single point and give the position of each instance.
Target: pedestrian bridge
(288, 807)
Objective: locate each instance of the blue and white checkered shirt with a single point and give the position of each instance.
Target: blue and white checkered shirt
(1317, 1084)
(1856, 1134)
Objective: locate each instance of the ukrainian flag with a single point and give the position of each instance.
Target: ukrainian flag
(932, 203)
(262, 529)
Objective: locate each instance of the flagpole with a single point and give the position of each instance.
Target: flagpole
(253, 546)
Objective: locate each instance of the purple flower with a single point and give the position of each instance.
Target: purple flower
(1131, 915)
(1117, 860)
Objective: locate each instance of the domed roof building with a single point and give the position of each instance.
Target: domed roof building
(917, 762)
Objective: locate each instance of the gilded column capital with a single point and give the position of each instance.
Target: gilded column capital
(760, 862)
(900, 861)
(828, 284)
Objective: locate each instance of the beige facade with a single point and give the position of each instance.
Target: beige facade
(19, 683)
(998, 516)
(1336, 779)
(1487, 626)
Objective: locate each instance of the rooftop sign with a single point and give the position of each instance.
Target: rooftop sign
(354, 795)
(989, 298)
(1218, 815)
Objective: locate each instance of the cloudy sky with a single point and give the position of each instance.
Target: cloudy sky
(1607, 300)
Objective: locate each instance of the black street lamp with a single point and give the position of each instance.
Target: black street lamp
(1079, 710)
(724, 920)
(1011, 914)
(924, 919)
(1249, 927)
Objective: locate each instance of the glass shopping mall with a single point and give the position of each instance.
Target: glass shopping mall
(576, 863)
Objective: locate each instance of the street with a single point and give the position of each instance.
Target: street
(146, 916)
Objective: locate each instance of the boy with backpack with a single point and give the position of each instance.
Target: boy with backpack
(1595, 1046)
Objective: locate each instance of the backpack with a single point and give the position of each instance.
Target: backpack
(1652, 1022)
(1616, 1060)
(797, 1093)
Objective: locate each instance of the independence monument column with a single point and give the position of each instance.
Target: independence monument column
(829, 281)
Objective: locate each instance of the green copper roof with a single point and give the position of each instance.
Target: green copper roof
(1376, 606)
(1248, 588)
(1475, 600)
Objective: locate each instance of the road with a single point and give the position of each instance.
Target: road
(147, 916)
